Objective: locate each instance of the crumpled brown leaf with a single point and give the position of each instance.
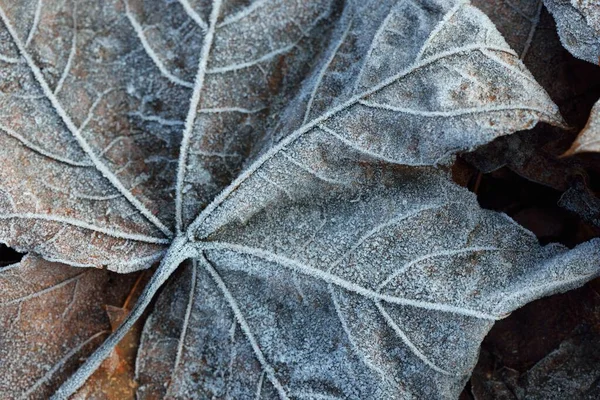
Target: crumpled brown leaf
(115, 378)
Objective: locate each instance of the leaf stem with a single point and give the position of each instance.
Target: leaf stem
(180, 250)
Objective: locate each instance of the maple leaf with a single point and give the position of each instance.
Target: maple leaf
(340, 262)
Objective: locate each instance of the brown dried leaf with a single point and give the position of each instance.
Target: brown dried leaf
(52, 317)
(115, 378)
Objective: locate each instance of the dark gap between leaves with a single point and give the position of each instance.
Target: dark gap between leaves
(532, 205)
(9, 256)
(532, 332)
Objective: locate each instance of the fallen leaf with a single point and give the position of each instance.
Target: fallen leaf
(401, 318)
(115, 378)
(573, 84)
(581, 200)
(340, 262)
(578, 24)
(52, 316)
(589, 138)
(569, 371)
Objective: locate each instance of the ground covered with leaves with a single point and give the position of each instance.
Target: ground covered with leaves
(285, 199)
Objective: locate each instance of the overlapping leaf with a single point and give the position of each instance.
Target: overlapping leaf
(571, 83)
(87, 158)
(578, 24)
(589, 138)
(336, 287)
(51, 316)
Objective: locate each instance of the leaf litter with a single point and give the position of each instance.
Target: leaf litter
(293, 156)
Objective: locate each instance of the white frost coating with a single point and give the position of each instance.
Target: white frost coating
(578, 24)
(72, 53)
(323, 71)
(332, 113)
(192, 112)
(75, 132)
(231, 112)
(43, 151)
(229, 109)
(339, 216)
(247, 64)
(186, 320)
(335, 280)
(348, 332)
(193, 14)
(132, 264)
(453, 113)
(178, 252)
(374, 42)
(41, 292)
(537, 291)
(390, 321)
(60, 363)
(429, 256)
(159, 120)
(139, 30)
(259, 387)
(36, 22)
(82, 224)
(246, 329)
(10, 60)
(439, 26)
(243, 13)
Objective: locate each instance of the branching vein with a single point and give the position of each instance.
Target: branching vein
(81, 224)
(327, 277)
(139, 30)
(75, 132)
(192, 111)
(239, 316)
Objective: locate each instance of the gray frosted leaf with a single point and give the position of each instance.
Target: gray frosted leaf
(382, 289)
(414, 81)
(51, 316)
(410, 97)
(578, 23)
(88, 133)
(334, 271)
(252, 59)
